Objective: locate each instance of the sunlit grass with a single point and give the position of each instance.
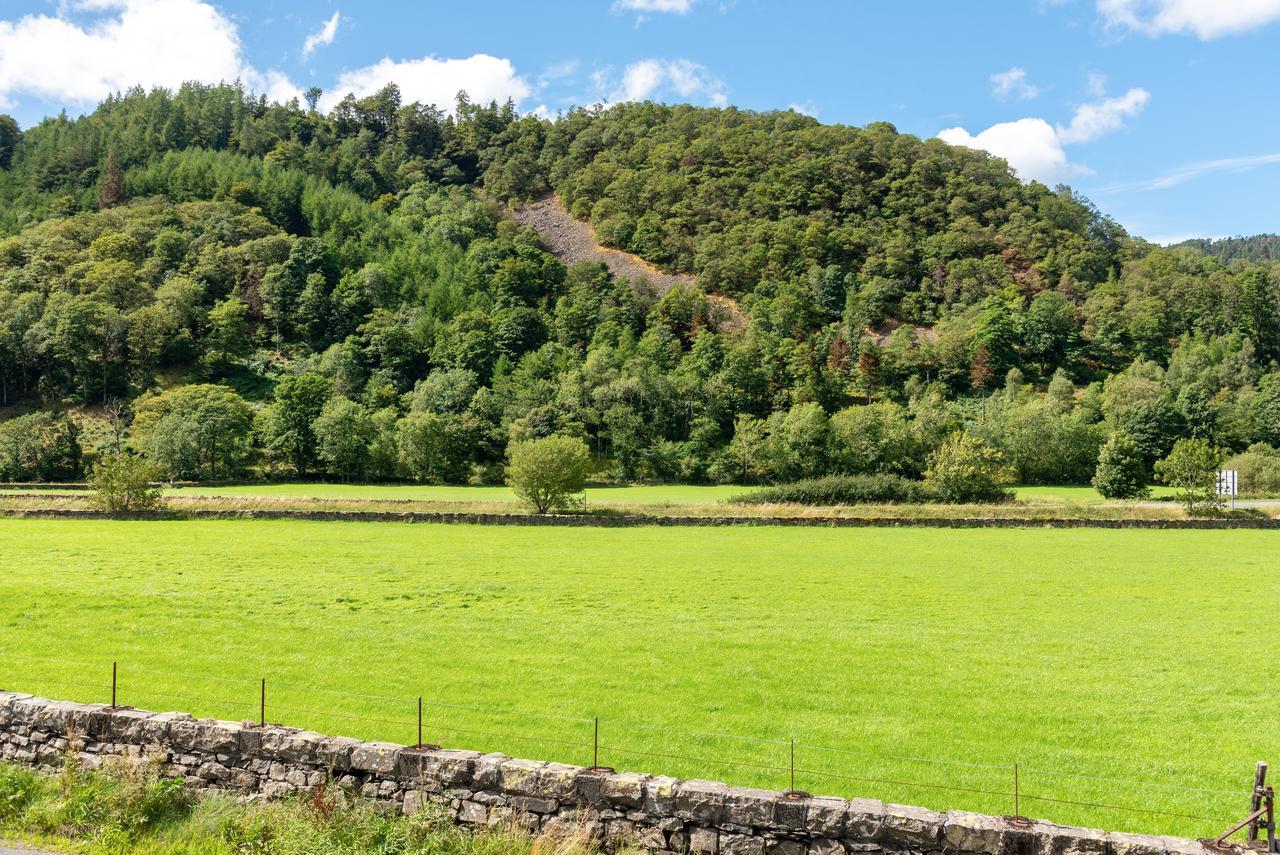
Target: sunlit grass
(1113, 654)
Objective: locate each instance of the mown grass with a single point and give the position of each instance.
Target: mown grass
(929, 658)
(125, 810)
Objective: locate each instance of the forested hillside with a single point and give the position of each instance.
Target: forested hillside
(228, 285)
(1253, 248)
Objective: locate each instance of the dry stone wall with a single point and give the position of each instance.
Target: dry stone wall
(650, 812)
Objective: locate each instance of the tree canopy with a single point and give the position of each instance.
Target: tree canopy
(345, 294)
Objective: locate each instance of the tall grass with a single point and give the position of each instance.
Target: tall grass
(128, 808)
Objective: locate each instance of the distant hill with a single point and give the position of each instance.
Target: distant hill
(1253, 248)
(266, 285)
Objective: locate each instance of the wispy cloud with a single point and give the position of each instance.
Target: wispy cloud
(1094, 119)
(1013, 84)
(1191, 171)
(678, 7)
(323, 36)
(1206, 19)
(652, 78)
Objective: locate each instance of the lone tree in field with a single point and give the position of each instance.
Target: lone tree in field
(125, 482)
(1192, 467)
(1121, 472)
(549, 474)
(965, 469)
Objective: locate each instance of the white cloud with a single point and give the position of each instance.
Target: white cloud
(804, 108)
(1013, 84)
(137, 43)
(649, 78)
(1190, 171)
(435, 81)
(1206, 19)
(322, 37)
(1031, 146)
(1036, 150)
(679, 7)
(1093, 120)
(274, 84)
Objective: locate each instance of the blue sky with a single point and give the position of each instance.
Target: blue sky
(1161, 111)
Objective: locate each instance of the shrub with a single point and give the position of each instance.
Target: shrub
(549, 473)
(965, 469)
(1192, 467)
(39, 447)
(1121, 472)
(1258, 469)
(841, 490)
(124, 482)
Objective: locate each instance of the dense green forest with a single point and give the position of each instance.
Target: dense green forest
(232, 286)
(1253, 248)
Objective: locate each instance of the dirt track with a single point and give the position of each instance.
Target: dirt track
(571, 240)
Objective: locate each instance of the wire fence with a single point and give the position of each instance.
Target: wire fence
(1001, 788)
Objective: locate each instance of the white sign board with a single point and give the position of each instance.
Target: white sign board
(1227, 483)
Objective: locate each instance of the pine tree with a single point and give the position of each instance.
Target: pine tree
(112, 190)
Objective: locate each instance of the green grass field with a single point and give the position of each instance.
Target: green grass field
(1130, 655)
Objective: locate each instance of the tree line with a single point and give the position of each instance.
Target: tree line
(234, 286)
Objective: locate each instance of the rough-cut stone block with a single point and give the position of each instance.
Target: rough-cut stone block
(704, 840)
(53, 716)
(619, 832)
(488, 771)
(446, 766)
(651, 838)
(213, 772)
(749, 807)
(295, 746)
(589, 787)
(559, 781)
(533, 804)
(412, 803)
(335, 752)
(471, 812)
(156, 728)
(973, 832)
(741, 844)
(785, 847)
(1135, 844)
(701, 801)
(660, 795)
(790, 813)
(128, 725)
(624, 789)
(1183, 846)
(827, 817)
(1050, 839)
(825, 846)
(521, 777)
(377, 757)
(910, 827)
(217, 737)
(863, 819)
